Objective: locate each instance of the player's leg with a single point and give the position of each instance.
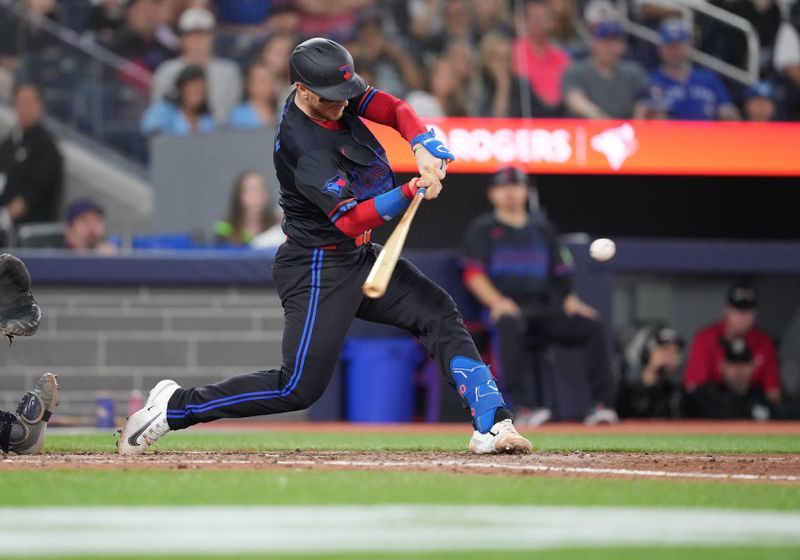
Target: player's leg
(415, 303)
(589, 334)
(512, 357)
(23, 432)
(320, 295)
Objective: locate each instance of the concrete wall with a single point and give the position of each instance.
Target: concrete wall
(115, 340)
(193, 176)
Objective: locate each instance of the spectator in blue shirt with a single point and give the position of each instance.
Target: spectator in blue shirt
(242, 12)
(258, 108)
(692, 93)
(185, 111)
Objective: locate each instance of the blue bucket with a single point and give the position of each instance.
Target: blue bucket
(380, 378)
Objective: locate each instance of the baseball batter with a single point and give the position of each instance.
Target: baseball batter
(336, 184)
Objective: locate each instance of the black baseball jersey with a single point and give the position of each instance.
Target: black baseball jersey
(323, 173)
(525, 264)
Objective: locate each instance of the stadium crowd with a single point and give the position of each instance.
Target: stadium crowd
(493, 58)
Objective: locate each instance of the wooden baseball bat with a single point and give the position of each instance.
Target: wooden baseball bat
(378, 279)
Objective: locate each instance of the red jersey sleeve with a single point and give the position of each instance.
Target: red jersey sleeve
(382, 108)
(700, 360)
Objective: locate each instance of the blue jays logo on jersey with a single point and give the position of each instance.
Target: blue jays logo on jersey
(335, 186)
(346, 71)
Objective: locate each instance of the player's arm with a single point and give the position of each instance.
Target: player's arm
(477, 281)
(382, 108)
(354, 218)
(562, 266)
(319, 179)
(484, 290)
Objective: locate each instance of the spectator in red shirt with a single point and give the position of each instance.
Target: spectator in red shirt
(706, 355)
(537, 58)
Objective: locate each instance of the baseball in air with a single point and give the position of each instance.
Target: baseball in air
(602, 249)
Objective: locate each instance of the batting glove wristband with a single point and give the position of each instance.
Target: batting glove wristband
(434, 146)
(410, 189)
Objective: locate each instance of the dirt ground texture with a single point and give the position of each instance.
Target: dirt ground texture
(781, 469)
(757, 468)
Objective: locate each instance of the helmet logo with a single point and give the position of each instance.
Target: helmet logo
(346, 71)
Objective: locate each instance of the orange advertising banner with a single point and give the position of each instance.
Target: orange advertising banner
(481, 145)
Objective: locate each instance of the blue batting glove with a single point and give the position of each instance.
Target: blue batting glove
(434, 146)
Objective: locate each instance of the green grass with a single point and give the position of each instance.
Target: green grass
(610, 553)
(275, 441)
(261, 487)
(188, 487)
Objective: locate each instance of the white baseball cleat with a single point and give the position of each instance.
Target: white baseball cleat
(534, 418)
(502, 438)
(145, 426)
(601, 415)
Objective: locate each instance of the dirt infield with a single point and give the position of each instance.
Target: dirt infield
(754, 468)
(624, 427)
(721, 467)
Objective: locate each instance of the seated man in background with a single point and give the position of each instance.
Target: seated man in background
(734, 396)
(693, 93)
(655, 393)
(604, 86)
(85, 228)
(517, 269)
(31, 166)
(706, 355)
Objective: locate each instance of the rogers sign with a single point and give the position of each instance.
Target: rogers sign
(565, 146)
(528, 145)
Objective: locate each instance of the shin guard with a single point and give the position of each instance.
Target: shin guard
(476, 386)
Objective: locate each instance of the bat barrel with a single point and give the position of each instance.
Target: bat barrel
(378, 279)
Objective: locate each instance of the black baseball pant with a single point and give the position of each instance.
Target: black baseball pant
(320, 290)
(514, 338)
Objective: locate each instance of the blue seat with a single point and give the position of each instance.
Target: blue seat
(180, 241)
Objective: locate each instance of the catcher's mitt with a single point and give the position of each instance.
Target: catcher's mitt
(19, 313)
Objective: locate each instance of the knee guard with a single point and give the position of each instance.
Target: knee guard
(476, 386)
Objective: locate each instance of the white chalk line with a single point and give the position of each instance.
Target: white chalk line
(546, 469)
(430, 464)
(55, 531)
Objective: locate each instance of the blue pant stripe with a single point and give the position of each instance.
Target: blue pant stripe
(300, 359)
(293, 382)
(305, 340)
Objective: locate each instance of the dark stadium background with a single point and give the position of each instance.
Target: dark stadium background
(625, 206)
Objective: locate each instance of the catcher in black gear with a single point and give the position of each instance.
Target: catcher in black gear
(22, 432)
(19, 313)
